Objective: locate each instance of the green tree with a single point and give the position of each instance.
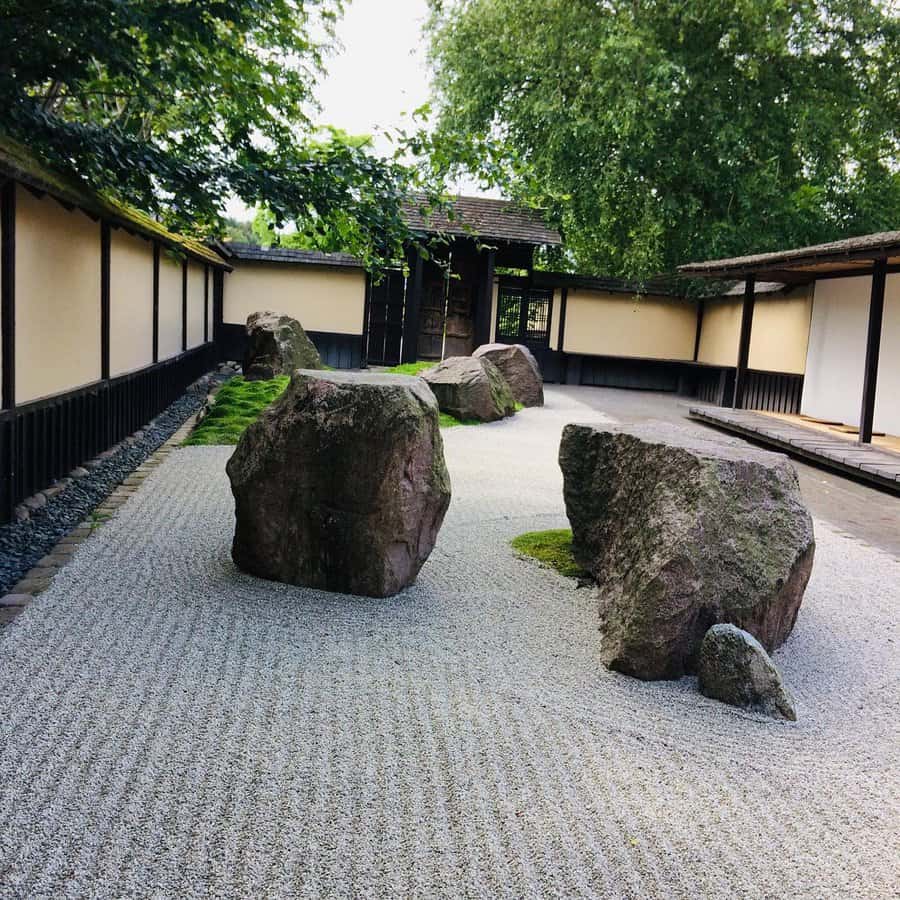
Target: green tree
(172, 105)
(661, 132)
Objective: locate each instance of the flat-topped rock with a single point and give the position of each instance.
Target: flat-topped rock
(682, 532)
(277, 345)
(341, 484)
(520, 369)
(471, 388)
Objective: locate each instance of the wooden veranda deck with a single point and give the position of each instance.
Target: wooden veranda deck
(860, 461)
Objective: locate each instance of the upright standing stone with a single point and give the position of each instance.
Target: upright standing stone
(468, 388)
(681, 533)
(277, 345)
(341, 484)
(520, 369)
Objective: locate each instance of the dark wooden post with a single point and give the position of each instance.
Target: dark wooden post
(364, 337)
(740, 375)
(699, 332)
(485, 300)
(873, 348)
(218, 310)
(184, 305)
(206, 304)
(561, 346)
(156, 301)
(410, 352)
(8, 291)
(105, 275)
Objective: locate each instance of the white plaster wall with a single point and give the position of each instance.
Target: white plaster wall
(170, 291)
(195, 304)
(832, 388)
(130, 303)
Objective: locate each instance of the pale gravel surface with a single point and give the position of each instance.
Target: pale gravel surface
(172, 728)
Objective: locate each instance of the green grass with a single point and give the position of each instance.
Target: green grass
(238, 403)
(551, 548)
(412, 368)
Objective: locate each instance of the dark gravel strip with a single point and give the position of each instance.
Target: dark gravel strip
(23, 544)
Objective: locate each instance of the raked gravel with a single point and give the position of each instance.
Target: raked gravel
(170, 727)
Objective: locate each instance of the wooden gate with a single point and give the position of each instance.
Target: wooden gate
(386, 301)
(523, 316)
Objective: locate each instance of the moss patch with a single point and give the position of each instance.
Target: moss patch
(412, 368)
(551, 548)
(238, 403)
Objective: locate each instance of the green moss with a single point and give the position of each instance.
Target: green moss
(238, 404)
(551, 548)
(412, 368)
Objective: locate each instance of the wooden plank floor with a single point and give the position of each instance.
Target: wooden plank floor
(865, 462)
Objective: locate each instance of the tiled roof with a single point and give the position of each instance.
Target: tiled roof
(18, 163)
(484, 218)
(867, 246)
(236, 250)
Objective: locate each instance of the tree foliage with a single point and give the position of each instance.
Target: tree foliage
(661, 132)
(172, 105)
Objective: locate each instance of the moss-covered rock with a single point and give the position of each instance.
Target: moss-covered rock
(681, 533)
(341, 484)
(470, 388)
(277, 345)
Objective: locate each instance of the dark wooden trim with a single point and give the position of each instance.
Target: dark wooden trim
(218, 304)
(410, 351)
(364, 337)
(744, 341)
(700, 310)
(8, 292)
(156, 301)
(205, 304)
(563, 303)
(184, 305)
(105, 275)
(873, 349)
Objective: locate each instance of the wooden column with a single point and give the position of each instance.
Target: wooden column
(184, 305)
(873, 349)
(561, 346)
(218, 307)
(8, 291)
(740, 375)
(156, 301)
(410, 351)
(485, 301)
(205, 304)
(700, 310)
(105, 254)
(364, 337)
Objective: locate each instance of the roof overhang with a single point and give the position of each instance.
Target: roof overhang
(839, 259)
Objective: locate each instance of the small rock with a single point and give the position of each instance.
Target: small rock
(471, 388)
(520, 369)
(35, 502)
(16, 600)
(277, 345)
(735, 668)
(79, 472)
(22, 513)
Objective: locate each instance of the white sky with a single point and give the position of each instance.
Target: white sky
(378, 77)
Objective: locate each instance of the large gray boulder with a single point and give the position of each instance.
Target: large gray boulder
(341, 484)
(277, 345)
(680, 533)
(469, 388)
(520, 369)
(734, 667)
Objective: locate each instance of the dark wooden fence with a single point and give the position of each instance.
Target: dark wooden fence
(44, 440)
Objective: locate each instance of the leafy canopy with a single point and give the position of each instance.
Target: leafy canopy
(662, 132)
(172, 105)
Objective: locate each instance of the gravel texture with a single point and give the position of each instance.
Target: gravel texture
(22, 544)
(172, 727)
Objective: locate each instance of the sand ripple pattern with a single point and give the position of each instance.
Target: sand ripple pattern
(170, 727)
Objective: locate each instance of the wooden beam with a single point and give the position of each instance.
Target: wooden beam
(364, 337)
(873, 349)
(205, 304)
(743, 359)
(563, 303)
(105, 274)
(184, 304)
(218, 305)
(156, 301)
(8, 291)
(410, 351)
(700, 310)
